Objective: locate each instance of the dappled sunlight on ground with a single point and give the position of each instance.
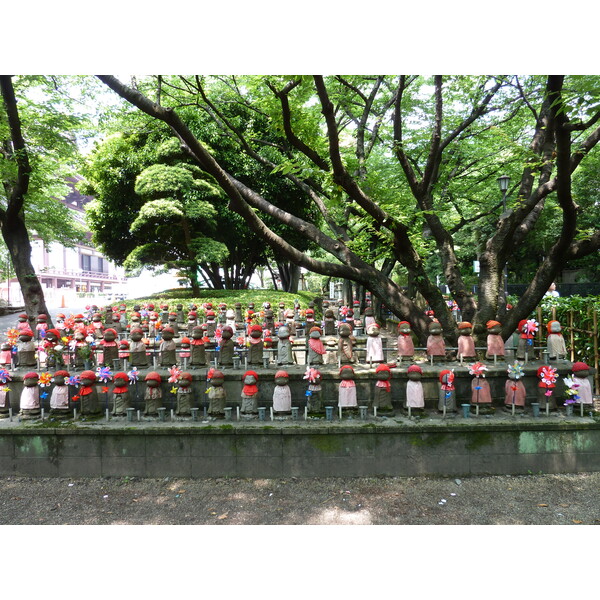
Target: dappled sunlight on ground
(336, 516)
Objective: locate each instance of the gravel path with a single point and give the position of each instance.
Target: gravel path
(569, 499)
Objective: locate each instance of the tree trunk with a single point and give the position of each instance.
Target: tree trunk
(17, 240)
(289, 274)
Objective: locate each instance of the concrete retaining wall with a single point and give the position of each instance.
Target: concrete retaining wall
(316, 451)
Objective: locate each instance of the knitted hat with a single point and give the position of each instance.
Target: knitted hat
(88, 375)
(153, 376)
(346, 367)
(248, 373)
(549, 326)
(579, 366)
(315, 329)
(120, 376)
(111, 330)
(185, 340)
(31, 375)
(55, 332)
(61, 374)
(42, 318)
(192, 313)
(168, 329)
(415, 369)
(444, 373)
(403, 323)
(187, 376)
(255, 328)
(124, 343)
(465, 325)
(23, 316)
(382, 367)
(26, 332)
(491, 324)
(281, 374)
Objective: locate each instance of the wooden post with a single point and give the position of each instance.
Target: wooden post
(572, 335)
(539, 319)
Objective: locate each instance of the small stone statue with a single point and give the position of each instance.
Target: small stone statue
(527, 329)
(281, 316)
(382, 398)
(227, 347)
(347, 389)
(6, 354)
(436, 347)
(239, 319)
(581, 372)
(211, 323)
(110, 348)
(197, 348)
(329, 323)
(116, 324)
(59, 400)
(547, 376)
(164, 314)
(26, 349)
(310, 318)
(406, 347)
(153, 329)
(81, 349)
(217, 397)
(168, 348)
(185, 398)
(23, 322)
(313, 393)
(466, 343)
(137, 349)
(514, 390)
(184, 350)
(415, 398)
(555, 341)
(153, 394)
(124, 350)
(30, 397)
(374, 344)
(249, 393)
(480, 388)
(269, 321)
(88, 396)
(289, 321)
(98, 325)
(180, 316)
(284, 347)
(369, 317)
(230, 318)
(495, 343)
(316, 348)
(222, 313)
(255, 350)
(346, 345)
(192, 321)
(42, 325)
(120, 394)
(447, 395)
(282, 395)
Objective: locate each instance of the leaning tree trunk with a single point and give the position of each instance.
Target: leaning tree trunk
(18, 244)
(289, 274)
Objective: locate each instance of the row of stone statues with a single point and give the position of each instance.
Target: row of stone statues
(88, 402)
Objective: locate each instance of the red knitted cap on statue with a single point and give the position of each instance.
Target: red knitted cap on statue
(61, 374)
(185, 340)
(281, 374)
(382, 367)
(248, 373)
(31, 375)
(491, 324)
(315, 329)
(121, 376)
(187, 376)
(465, 325)
(415, 369)
(88, 375)
(579, 366)
(347, 367)
(153, 376)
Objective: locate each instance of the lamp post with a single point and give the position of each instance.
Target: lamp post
(503, 183)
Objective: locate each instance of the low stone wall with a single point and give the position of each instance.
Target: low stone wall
(365, 384)
(303, 451)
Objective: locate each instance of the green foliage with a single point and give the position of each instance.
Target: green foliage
(580, 311)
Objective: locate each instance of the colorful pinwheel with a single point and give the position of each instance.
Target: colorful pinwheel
(516, 369)
(174, 373)
(104, 374)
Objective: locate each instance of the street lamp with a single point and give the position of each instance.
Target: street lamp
(503, 183)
